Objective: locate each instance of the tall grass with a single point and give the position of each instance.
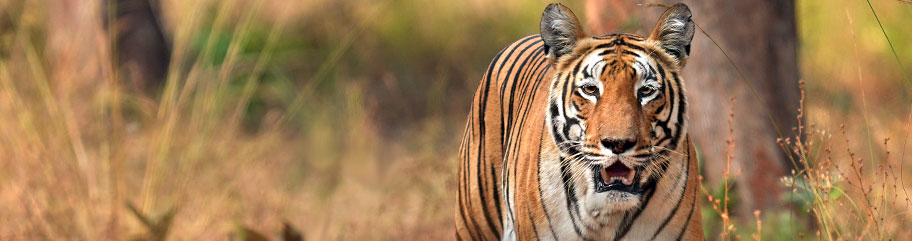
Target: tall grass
(76, 160)
(236, 139)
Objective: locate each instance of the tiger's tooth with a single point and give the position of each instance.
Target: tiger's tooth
(623, 180)
(630, 176)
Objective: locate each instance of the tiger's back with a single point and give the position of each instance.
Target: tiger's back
(512, 85)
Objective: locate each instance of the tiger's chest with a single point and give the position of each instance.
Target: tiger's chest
(541, 207)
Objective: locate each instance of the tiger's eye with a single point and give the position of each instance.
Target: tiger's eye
(645, 91)
(590, 89)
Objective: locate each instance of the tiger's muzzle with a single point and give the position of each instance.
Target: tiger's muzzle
(617, 177)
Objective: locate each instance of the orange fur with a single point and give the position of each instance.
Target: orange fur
(519, 179)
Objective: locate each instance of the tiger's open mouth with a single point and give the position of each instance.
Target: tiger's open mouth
(616, 177)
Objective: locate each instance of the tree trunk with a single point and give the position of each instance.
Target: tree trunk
(142, 51)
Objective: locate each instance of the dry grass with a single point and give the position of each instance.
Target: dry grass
(720, 205)
(75, 161)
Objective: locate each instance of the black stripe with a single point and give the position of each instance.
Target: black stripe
(632, 46)
(606, 45)
(576, 68)
(631, 53)
(685, 175)
(532, 221)
(537, 76)
(568, 86)
(650, 188)
(586, 73)
(502, 64)
(565, 88)
(504, 80)
(525, 100)
(464, 194)
(539, 80)
(485, 94)
(611, 63)
(628, 222)
(660, 108)
(661, 71)
(572, 205)
(505, 174)
(673, 212)
(515, 80)
(508, 154)
(481, 150)
(525, 104)
(519, 78)
(554, 83)
(680, 116)
(555, 113)
(517, 143)
(672, 96)
(606, 52)
(555, 132)
(497, 197)
(693, 209)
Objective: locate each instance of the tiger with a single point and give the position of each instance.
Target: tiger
(577, 137)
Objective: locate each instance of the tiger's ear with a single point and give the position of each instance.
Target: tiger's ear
(560, 30)
(674, 31)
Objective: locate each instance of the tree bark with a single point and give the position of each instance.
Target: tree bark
(141, 49)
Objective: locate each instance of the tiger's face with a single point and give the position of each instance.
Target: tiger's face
(616, 109)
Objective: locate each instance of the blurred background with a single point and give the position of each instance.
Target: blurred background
(205, 119)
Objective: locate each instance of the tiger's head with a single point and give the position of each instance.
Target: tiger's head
(616, 108)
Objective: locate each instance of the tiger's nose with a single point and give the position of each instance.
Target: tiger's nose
(618, 145)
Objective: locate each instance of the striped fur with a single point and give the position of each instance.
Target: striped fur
(544, 123)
